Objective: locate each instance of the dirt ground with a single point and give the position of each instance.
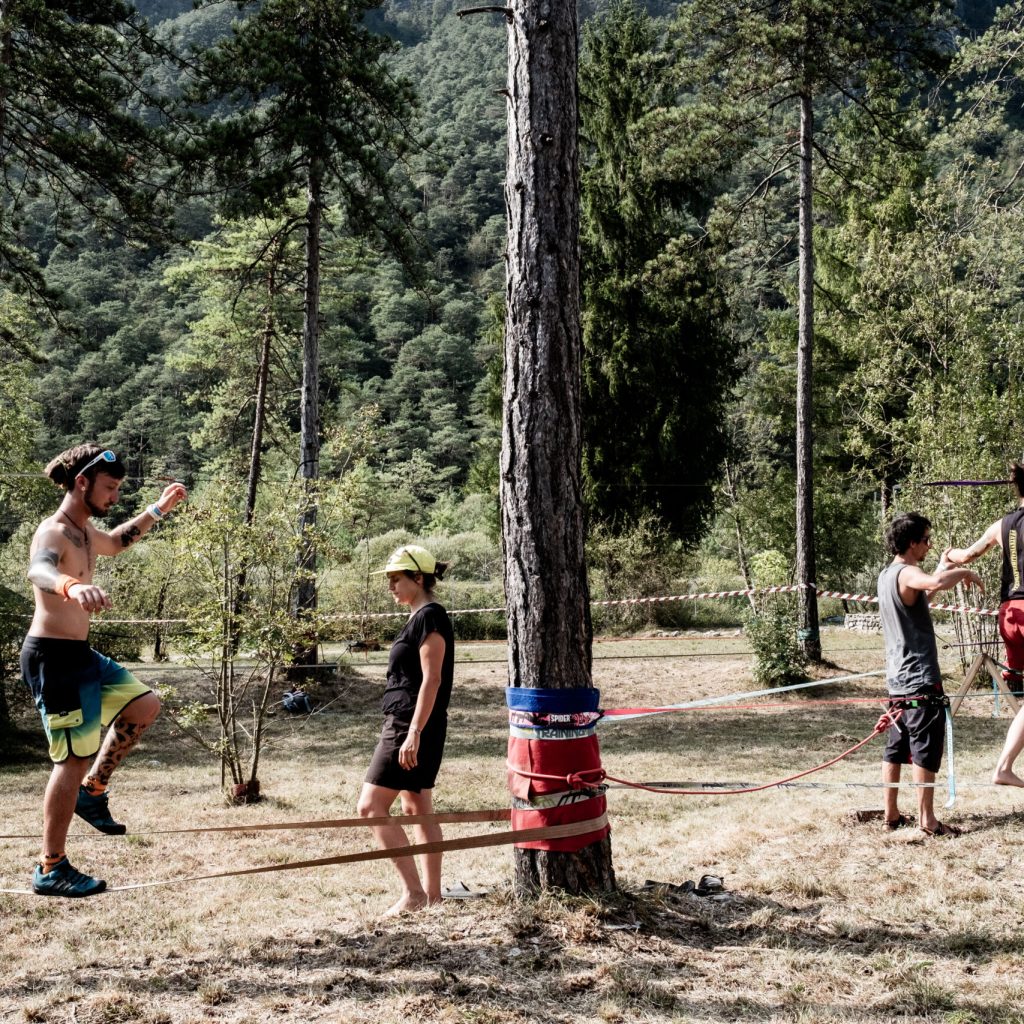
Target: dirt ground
(822, 919)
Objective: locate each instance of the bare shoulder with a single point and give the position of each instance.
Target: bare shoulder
(49, 535)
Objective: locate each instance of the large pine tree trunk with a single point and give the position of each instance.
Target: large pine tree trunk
(806, 570)
(546, 593)
(309, 426)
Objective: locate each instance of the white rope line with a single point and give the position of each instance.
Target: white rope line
(708, 702)
(711, 787)
(708, 595)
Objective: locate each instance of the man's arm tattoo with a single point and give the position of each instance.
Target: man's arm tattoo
(43, 570)
(129, 535)
(980, 546)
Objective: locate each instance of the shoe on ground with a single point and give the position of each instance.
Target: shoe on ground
(64, 880)
(96, 811)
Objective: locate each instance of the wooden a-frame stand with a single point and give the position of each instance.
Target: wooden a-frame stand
(986, 662)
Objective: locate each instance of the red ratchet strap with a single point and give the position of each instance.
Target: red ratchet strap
(593, 776)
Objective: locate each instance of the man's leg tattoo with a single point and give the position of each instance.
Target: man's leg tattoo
(120, 738)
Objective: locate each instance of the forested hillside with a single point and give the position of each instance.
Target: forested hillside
(139, 284)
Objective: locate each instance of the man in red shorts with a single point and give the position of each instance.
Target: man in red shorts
(76, 689)
(1008, 534)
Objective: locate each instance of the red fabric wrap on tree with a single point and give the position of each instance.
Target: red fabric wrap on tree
(581, 811)
(559, 758)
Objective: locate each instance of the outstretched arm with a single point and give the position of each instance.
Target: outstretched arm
(914, 581)
(964, 556)
(44, 573)
(125, 535)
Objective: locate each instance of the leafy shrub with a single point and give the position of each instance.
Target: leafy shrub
(771, 627)
(778, 658)
(638, 562)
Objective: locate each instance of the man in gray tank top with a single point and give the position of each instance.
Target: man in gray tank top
(913, 677)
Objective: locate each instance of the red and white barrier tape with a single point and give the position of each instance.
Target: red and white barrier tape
(708, 595)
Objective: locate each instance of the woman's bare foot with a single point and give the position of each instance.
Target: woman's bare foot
(406, 905)
(1006, 778)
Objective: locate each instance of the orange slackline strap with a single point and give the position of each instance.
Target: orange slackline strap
(522, 835)
(449, 818)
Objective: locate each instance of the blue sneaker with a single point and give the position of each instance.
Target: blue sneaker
(64, 880)
(96, 811)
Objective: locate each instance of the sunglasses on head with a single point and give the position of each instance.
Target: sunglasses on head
(413, 560)
(107, 456)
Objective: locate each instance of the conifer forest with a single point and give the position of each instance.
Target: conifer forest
(260, 248)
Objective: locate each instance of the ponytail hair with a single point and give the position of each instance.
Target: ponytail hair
(66, 467)
(1017, 477)
(430, 579)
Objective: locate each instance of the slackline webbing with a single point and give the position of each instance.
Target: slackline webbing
(711, 788)
(445, 818)
(621, 715)
(950, 769)
(522, 835)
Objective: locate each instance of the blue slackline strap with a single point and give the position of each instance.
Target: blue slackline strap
(524, 698)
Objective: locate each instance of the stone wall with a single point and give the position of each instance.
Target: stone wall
(863, 622)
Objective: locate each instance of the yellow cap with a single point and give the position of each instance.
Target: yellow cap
(410, 558)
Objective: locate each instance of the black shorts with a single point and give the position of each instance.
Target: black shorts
(384, 768)
(919, 737)
(77, 691)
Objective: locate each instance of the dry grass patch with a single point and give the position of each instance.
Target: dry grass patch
(824, 920)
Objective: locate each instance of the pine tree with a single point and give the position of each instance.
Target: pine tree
(808, 54)
(546, 590)
(319, 113)
(77, 130)
(656, 356)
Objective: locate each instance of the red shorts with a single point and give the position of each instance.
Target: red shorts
(1011, 629)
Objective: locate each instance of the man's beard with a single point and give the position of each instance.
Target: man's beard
(94, 509)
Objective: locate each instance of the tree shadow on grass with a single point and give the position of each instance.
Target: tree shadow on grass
(637, 953)
(21, 745)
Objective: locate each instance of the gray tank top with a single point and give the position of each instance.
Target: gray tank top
(911, 657)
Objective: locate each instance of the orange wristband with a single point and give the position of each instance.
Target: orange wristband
(64, 584)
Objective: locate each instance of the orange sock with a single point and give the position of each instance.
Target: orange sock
(93, 786)
(50, 861)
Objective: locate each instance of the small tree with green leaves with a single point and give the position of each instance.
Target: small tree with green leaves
(241, 647)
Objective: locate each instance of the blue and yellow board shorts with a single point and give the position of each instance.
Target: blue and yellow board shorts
(77, 691)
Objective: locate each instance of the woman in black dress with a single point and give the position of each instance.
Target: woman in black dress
(408, 755)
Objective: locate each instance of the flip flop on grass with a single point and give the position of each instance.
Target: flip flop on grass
(901, 822)
(942, 829)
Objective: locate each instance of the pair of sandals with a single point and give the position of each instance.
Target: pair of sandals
(942, 829)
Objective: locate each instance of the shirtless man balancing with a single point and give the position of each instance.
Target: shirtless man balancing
(76, 689)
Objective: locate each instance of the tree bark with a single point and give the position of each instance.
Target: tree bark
(546, 592)
(806, 569)
(305, 604)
